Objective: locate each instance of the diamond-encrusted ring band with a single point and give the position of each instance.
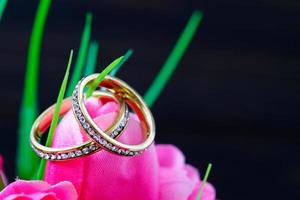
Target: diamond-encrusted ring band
(132, 98)
(43, 122)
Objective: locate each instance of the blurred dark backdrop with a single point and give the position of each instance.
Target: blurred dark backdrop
(233, 101)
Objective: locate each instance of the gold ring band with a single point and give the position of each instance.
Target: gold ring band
(43, 122)
(132, 98)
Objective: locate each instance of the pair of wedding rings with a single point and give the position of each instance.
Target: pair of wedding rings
(116, 90)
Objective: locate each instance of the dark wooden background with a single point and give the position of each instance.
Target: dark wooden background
(234, 100)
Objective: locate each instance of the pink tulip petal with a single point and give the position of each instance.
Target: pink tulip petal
(178, 180)
(119, 177)
(160, 173)
(107, 108)
(18, 197)
(112, 173)
(209, 192)
(170, 156)
(24, 187)
(72, 170)
(92, 106)
(36, 196)
(192, 172)
(38, 190)
(174, 182)
(64, 190)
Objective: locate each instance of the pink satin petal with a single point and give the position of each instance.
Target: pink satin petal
(105, 120)
(67, 125)
(177, 179)
(24, 187)
(95, 107)
(38, 190)
(160, 173)
(209, 192)
(174, 185)
(67, 134)
(92, 105)
(104, 166)
(170, 156)
(107, 108)
(17, 197)
(36, 196)
(122, 177)
(192, 172)
(64, 190)
(134, 137)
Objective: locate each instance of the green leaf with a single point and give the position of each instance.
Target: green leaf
(174, 58)
(102, 75)
(208, 169)
(27, 161)
(91, 58)
(2, 7)
(81, 58)
(55, 118)
(117, 68)
(41, 170)
(59, 102)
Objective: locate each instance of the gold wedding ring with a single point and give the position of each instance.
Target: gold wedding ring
(43, 122)
(122, 91)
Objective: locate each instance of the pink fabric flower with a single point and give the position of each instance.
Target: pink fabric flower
(38, 190)
(160, 173)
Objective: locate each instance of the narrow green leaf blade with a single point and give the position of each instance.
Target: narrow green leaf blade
(102, 75)
(207, 172)
(2, 7)
(59, 101)
(81, 58)
(174, 58)
(41, 169)
(27, 161)
(117, 68)
(91, 58)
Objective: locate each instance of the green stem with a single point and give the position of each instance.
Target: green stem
(208, 169)
(174, 58)
(91, 58)
(27, 161)
(81, 58)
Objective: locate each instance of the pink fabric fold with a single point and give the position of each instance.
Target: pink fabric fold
(160, 173)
